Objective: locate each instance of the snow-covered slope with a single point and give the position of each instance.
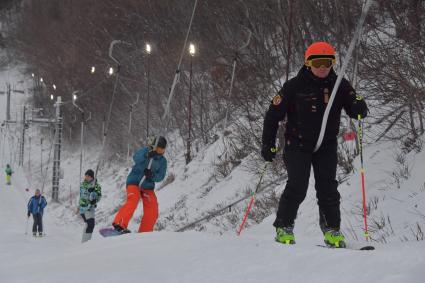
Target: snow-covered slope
(396, 200)
(190, 256)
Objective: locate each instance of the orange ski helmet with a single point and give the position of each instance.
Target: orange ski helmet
(319, 49)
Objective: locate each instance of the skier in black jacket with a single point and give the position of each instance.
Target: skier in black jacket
(303, 101)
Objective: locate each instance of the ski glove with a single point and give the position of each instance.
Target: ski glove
(152, 154)
(148, 173)
(359, 107)
(268, 152)
(93, 202)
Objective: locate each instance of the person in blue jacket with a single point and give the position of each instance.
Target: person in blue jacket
(36, 206)
(156, 173)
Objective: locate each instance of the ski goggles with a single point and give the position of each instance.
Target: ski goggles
(319, 62)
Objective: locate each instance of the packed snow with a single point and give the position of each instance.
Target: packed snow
(216, 254)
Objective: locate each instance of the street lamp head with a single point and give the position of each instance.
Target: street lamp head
(74, 96)
(51, 97)
(32, 75)
(192, 49)
(41, 79)
(148, 48)
(54, 86)
(93, 69)
(111, 71)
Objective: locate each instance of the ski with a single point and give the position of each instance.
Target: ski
(364, 248)
(38, 236)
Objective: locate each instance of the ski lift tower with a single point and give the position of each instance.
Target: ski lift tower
(57, 150)
(57, 142)
(57, 122)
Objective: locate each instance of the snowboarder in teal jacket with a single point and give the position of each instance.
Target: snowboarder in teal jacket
(145, 191)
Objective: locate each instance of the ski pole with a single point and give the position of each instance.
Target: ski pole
(251, 202)
(26, 226)
(362, 171)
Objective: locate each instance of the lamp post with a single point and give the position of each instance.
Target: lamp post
(34, 83)
(192, 52)
(74, 98)
(41, 156)
(148, 53)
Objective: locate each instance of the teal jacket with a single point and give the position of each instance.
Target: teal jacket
(141, 161)
(90, 194)
(8, 171)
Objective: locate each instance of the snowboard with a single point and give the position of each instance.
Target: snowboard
(110, 232)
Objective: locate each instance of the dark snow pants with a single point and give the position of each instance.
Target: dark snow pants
(299, 163)
(38, 223)
(88, 217)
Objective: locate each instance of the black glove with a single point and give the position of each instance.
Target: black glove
(268, 152)
(148, 173)
(152, 154)
(359, 107)
(93, 202)
(28, 214)
(91, 189)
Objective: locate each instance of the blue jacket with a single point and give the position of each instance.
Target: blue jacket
(141, 161)
(37, 204)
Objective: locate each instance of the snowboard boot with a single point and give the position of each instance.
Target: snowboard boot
(334, 238)
(40, 234)
(120, 229)
(34, 234)
(285, 235)
(117, 227)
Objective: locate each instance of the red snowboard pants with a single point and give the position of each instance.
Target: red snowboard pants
(150, 208)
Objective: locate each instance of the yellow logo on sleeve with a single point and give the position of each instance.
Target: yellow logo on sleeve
(277, 100)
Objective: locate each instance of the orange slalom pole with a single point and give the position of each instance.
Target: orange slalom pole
(251, 202)
(248, 209)
(362, 172)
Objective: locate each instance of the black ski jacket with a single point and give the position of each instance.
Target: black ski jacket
(303, 100)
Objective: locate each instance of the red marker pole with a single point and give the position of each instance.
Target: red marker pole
(251, 202)
(362, 172)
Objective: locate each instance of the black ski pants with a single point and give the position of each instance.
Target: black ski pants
(38, 223)
(88, 217)
(299, 163)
